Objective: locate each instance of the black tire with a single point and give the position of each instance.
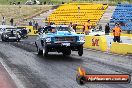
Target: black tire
(2, 39)
(46, 51)
(40, 52)
(80, 50)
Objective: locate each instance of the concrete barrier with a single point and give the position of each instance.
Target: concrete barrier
(121, 48)
(96, 42)
(32, 30)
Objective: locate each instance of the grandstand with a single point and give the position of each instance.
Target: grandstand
(122, 15)
(78, 13)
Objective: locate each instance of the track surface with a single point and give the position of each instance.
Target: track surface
(57, 71)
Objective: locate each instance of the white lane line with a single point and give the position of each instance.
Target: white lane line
(13, 76)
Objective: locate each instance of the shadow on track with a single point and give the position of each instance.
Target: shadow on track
(60, 58)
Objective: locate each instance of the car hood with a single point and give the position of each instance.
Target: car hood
(61, 33)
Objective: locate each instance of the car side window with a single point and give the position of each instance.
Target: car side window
(48, 29)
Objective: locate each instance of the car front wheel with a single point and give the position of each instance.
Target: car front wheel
(80, 50)
(40, 52)
(45, 51)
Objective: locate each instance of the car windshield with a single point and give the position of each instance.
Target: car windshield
(9, 32)
(2, 29)
(50, 29)
(11, 28)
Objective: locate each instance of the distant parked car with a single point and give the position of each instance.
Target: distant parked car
(32, 2)
(10, 35)
(59, 38)
(29, 2)
(4, 27)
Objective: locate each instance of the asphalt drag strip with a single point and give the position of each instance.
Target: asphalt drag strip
(5, 80)
(57, 71)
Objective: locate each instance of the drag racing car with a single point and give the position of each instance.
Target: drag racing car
(10, 35)
(59, 38)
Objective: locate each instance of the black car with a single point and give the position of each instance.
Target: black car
(10, 36)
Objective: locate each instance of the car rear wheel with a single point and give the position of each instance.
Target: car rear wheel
(80, 50)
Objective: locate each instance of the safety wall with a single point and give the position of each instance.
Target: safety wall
(100, 43)
(33, 31)
(96, 42)
(121, 48)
